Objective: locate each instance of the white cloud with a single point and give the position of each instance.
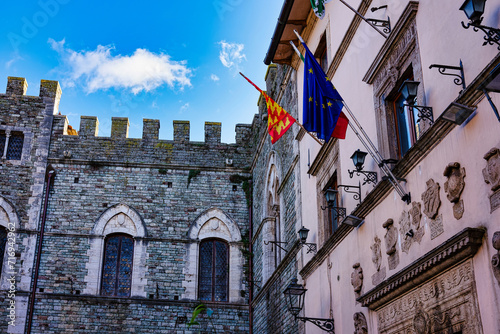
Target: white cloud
(15, 58)
(231, 55)
(141, 71)
(213, 77)
(184, 107)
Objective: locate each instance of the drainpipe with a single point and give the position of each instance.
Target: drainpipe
(250, 262)
(49, 178)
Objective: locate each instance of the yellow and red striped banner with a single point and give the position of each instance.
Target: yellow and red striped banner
(278, 120)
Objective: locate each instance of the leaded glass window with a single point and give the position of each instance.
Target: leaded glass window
(15, 146)
(214, 270)
(117, 266)
(3, 242)
(2, 143)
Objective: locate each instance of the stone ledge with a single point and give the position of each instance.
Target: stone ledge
(461, 246)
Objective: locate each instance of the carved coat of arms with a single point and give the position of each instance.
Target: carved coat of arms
(376, 253)
(431, 199)
(491, 173)
(455, 184)
(357, 278)
(391, 237)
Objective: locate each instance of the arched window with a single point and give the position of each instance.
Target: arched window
(3, 242)
(213, 270)
(117, 266)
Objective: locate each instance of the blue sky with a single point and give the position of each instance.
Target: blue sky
(166, 60)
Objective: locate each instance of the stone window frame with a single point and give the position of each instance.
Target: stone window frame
(213, 223)
(272, 254)
(399, 55)
(133, 225)
(27, 141)
(8, 212)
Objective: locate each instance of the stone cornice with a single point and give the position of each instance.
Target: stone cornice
(385, 52)
(289, 257)
(324, 251)
(456, 249)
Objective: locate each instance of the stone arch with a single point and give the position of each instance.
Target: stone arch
(10, 221)
(119, 218)
(214, 223)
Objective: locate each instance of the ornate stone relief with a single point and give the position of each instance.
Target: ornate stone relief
(391, 239)
(360, 324)
(376, 248)
(495, 261)
(406, 231)
(416, 217)
(436, 226)
(357, 278)
(454, 186)
(491, 176)
(431, 199)
(445, 304)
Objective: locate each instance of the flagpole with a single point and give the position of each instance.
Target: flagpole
(260, 90)
(364, 19)
(368, 144)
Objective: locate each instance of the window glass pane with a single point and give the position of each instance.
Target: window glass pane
(125, 267)
(221, 271)
(15, 148)
(3, 242)
(404, 121)
(2, 143)
(206, 268)
(117, 266)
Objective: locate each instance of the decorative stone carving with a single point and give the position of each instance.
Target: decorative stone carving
(436, 226)
(360, 324)
(495, 260)
(391, 236)
(491, 173)
(454, 186)
(431, 199)
(446, 303)
(391, 239)
(407, 233)
(421, 323)
(491, 176)
(416, 217)
(376, 252)
(357, 278)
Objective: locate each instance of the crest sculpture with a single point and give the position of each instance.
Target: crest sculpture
(454, 186)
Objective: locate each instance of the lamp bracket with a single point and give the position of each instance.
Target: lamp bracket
(369, 176)
(492, 34)
(424, 112)
(277, 244)
(325, 324)
(384, 24)
(387, 161)
(459, 78)
(311, 248)
(357, 194)
(341, 212)
(397, 178)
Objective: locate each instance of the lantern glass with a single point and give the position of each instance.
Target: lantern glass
(409, 90)
(358, 158)
(331, 196)
(474, 9)
(303, 232)
(294, 295)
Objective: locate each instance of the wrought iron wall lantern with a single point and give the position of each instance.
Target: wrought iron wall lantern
(409, 91)
(384, 24)
(277, 244)
(459, 78)
(474, 10)
(303, 232)
(294, 295)
(358, 158)
(331, 199)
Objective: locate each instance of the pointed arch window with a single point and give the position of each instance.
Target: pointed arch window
(117, 265)
(214, 270)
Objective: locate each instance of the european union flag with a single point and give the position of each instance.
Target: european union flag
(322, 102)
